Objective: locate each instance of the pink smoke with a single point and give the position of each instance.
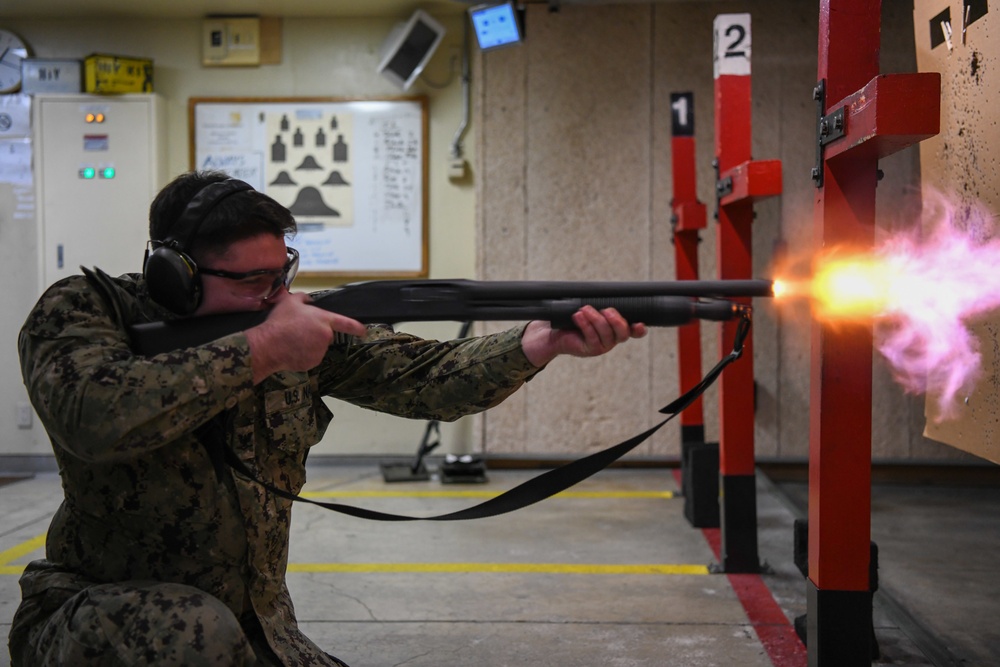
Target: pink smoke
(947, 277)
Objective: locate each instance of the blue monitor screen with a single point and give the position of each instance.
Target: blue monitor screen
(495, 25)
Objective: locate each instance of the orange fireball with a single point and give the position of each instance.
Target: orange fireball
(853, 288)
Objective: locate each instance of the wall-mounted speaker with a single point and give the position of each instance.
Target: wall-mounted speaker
(409, 47)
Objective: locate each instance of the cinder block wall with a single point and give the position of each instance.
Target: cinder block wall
(574, 182)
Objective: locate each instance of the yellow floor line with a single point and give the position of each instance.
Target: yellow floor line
(496, 568)
(20, 550)
(35, 543)
(483, 494)
(38, 542)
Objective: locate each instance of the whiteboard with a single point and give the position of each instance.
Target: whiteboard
(352, 172)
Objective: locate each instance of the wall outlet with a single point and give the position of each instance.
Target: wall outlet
(457, 169)
(24, 415)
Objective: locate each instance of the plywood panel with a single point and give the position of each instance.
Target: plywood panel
(962, 161)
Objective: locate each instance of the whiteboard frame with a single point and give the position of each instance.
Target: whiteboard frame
(371, 270)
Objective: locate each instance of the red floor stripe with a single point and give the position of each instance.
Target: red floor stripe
(776, 634)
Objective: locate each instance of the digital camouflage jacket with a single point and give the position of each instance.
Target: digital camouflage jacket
(138, 443)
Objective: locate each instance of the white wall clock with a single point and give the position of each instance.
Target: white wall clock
(12, 51)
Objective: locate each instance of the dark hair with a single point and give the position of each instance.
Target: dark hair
(239, 216)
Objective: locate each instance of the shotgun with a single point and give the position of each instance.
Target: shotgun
(658, 304)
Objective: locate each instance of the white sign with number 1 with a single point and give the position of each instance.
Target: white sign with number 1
(731, 37)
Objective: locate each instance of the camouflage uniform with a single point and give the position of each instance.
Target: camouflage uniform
(160, 554)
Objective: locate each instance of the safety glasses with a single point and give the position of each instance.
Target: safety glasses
(261, 283)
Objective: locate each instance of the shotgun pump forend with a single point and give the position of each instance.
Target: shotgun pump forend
(658, 304)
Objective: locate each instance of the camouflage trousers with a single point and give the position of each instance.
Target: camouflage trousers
(133, 623)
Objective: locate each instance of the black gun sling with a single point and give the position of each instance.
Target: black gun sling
(537, 488)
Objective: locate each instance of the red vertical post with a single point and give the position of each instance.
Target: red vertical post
(741, 181)
(870, 116)
(699, 459)
(688, 220)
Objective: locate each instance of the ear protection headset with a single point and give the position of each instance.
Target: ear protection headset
(171, 275)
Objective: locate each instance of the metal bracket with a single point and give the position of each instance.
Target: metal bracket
(724, 187)
(718, 197)
(828, 128)
(715, 167)
(831, 126)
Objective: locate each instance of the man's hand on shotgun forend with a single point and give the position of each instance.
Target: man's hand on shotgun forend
(597, 332)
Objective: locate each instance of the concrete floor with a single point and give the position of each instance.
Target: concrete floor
(456, 594)
(938, 545)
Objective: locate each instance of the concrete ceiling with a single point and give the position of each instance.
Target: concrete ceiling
(199, 8)
(289, 8)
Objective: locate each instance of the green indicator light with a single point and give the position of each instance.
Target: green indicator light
(108, 172)
(87, 172)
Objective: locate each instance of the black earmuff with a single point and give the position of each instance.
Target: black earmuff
(171, 275)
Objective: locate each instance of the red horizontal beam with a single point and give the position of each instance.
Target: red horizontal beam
(891, 112)
(753, 180)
